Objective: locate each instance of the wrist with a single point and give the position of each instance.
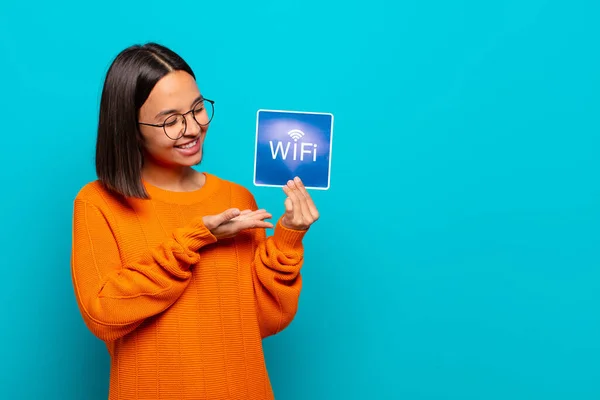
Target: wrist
(196, 235)
(286, 238)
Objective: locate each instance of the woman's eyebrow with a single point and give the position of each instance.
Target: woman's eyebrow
(171, 111)
(198, 99)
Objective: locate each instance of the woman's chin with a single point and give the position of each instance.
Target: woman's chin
(189, 160)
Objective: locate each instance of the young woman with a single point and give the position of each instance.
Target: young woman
(171, 267)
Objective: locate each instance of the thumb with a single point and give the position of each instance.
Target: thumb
(289, 210)
(226, 216)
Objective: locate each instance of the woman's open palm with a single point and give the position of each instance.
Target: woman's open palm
(232, 221)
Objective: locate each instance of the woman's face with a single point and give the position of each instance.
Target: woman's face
(176, 93)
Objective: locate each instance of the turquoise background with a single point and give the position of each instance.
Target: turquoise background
(457, 254)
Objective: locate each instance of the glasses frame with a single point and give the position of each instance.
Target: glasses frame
(163, 125)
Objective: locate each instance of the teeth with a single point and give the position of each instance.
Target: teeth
(189, 145)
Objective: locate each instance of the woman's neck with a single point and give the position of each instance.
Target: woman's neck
(182, 179)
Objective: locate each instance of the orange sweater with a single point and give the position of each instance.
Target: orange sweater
(182, 315)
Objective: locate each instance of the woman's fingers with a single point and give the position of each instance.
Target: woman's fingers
(296, 217)
(246, 219)
(306, 214)
(254, 219)
(259, 215)
(251, 224)
(309, 201)
(289, 207)
(246, 214)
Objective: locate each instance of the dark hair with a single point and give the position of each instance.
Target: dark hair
(129, 81)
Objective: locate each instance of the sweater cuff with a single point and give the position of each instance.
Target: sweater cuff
(287, 239)
(196, 235)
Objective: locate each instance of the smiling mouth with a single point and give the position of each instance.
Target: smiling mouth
(187, 145)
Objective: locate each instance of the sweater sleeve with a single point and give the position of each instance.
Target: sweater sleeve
(115, 298)
(276, 276)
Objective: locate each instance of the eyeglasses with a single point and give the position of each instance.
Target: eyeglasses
(176, 124)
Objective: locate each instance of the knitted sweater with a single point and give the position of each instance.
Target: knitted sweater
(182, 314)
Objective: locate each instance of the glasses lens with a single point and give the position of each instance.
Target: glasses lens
(203, 112)
(175, 126)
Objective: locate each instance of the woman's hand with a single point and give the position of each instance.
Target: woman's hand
(300, 210)
(232, 221)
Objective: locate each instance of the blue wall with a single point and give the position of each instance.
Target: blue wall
(457, 254)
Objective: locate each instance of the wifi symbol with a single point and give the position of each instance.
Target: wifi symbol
(296, 134)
